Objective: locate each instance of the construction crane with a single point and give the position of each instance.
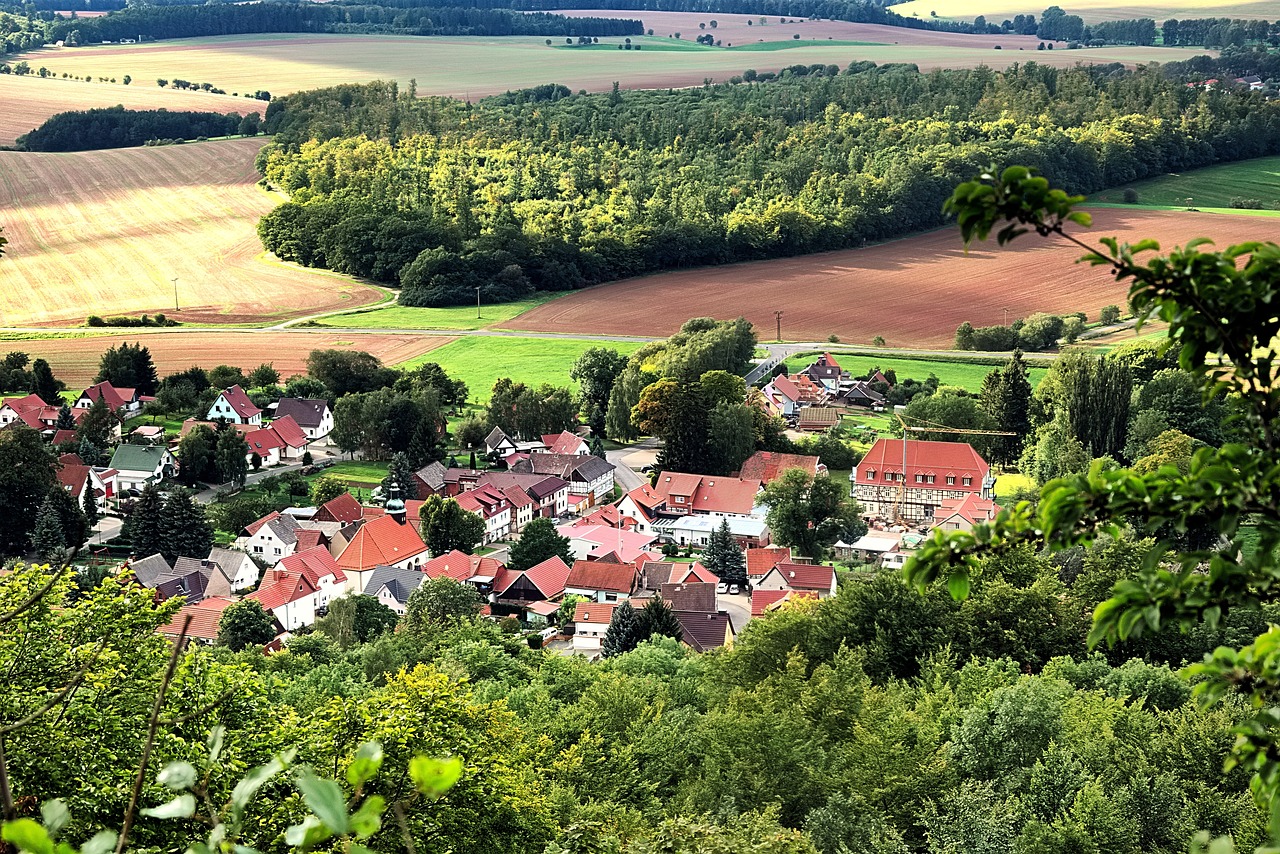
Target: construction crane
(900, 500)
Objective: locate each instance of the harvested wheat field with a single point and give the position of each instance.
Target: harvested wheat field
(1091, 10)
(75, 360)
(914, 292)
(473, 66)
(106, 232)
(30, 100)
(733, 29)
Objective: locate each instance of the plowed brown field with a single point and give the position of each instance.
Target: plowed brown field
(914, 292)
(29, 101)
(75, 360)
(106, 232)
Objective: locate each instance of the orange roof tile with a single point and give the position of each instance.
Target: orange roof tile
(381, 541)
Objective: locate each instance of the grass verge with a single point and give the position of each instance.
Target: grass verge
(452, 317)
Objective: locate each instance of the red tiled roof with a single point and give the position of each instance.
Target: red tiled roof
(344, 509)
(786, 387)
(280, 588)
(765, 466)
(116, 398)
(253, 527)
(596, 613)
(61, 437)
(290, 433)
(309, 539)
(684, 573)
(454, 564)
(205, 618)
(73, 477)
(924, 457)
(702, 631)
(381, 541)
(563, 442)
(240, 402)
(262, 442)
(709, 494)
(549, 576)
(760, 561)
(314, 563)
(606, 516)
(972, 507)
(484, 501)
(517, 496)
(598, 575)
(627, 546)
(807, 576)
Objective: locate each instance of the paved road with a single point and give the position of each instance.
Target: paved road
(624, 475)
(738, 607)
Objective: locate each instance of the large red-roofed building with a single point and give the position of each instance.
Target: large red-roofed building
(936, 473)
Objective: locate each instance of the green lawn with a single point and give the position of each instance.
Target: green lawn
(967, 375)
(365, 473)
(1010, 482)
(480, 360)
(453, 317)
(1209, 189)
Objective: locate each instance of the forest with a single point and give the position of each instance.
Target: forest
(116, 127)
(514, 195)
(171, 22)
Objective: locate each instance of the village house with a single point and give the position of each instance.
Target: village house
(588, 476)
(936, 472)
(288, 597)
(79, 479)
(781, 397)
(676, 495)
(597, 542)
(702, 631)
(205, 617)
(321, 570)
(567, 443)
(393, 585)
(764, 601)
(550, 494)
(344, 510)
(33, 412)
(817, 578)
(429, 480)
(691, 573)
(138, 466)
(125, 402)
(816, 419)
(498, 445)
(236, 566)
(385, 541)
(590, 625)
(692, 596)
(760, 561)
(749, 532)
(270, 538)
(826, 372)
(601, 581)
(541, 583)
(312, 416)
(766, 466)
(492, 506)
(234, 407)
(963, 513)
(464, 568)
(277, 443)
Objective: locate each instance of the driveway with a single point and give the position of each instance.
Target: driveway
(738, 608)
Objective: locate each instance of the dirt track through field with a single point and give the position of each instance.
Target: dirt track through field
(914, 292)
(75, 360)
(106, 232)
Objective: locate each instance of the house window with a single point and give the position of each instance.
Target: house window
(258, 549)
(951, 480)
(679, 499)
(929, 478)
(968, 481)
(611, 597)
(871, 475)
(277, 551)
(919, 478)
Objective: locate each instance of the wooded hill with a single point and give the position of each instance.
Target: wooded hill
(556, 191)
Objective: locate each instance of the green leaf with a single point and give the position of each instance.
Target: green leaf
(27, 835)
(54, 815)
(254, 780)
(177, 776)
(183, 806)
(366, 764)
(368, 819)
(100, 843)
(958, 585)
(311, 832)
(434, 777)
(214, 742)
(325, 799)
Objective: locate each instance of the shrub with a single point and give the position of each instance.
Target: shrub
(1109, 314)
(535, 641)
(1130, 196)
(509, 625)
(1246, 204)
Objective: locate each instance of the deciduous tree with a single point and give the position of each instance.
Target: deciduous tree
(245, 624)
(539, 541)
(809, 514)
(446, 526)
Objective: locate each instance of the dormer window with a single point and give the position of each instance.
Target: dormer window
(951, 480)
(968, 481)
(919, 478)
(871, 474)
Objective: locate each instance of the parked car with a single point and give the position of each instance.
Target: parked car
(722, 587)
(734, 590)
(649, 469)
(549, 633)
(308, 470)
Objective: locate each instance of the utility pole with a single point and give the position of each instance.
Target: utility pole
(777, 315)
(1006, 317)
(477, 302)
(175, 294)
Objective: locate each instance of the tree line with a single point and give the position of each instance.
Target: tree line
(116, 127)
(172, 22)
(440, 197)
